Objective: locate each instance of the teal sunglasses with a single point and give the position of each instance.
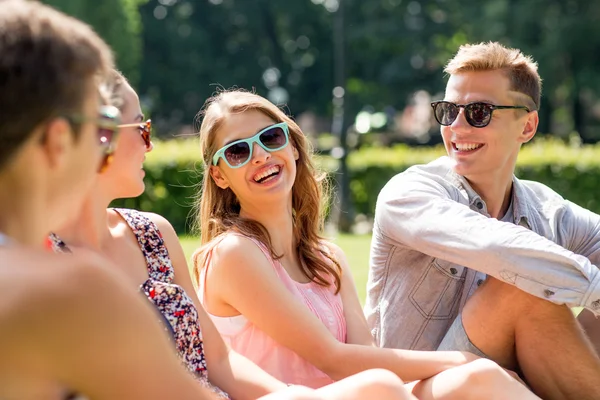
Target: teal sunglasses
(238, 153)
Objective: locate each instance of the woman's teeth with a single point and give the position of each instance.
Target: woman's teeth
(270, 171)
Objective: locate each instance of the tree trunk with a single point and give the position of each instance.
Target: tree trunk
(342, 213)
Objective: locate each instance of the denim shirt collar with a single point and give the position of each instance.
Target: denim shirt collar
(520, 206)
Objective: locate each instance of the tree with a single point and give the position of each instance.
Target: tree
(117, 22)
(279, 49)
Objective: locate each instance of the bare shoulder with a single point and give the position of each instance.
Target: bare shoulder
(237, 267)
(45, 294)
(161, 222)
(238, 252)
(66, 310)
(28, 274)
(41, 279)
(333, 248)
(337, 253)
(164, 226)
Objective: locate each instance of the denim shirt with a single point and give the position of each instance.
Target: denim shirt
(434, 243)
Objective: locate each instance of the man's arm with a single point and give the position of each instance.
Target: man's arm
(421, 214)
(581, 230)
(582, 227)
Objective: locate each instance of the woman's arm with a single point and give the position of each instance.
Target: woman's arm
(230, 371)
(242, 276)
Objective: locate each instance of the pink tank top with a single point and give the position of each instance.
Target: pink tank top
(279, 361)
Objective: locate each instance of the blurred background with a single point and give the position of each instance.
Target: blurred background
(385, 56)
(358, 76)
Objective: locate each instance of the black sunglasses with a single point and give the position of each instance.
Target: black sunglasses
(145, 130)
(478, 114)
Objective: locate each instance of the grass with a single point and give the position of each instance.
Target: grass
(356, 248)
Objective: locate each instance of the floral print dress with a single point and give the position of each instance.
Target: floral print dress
(170, 299)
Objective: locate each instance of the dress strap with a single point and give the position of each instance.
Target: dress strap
(151, 244)
(56, 244)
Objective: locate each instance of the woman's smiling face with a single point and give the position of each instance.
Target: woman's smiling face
(267, 175)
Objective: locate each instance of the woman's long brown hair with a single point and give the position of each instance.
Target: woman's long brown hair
(218, 210)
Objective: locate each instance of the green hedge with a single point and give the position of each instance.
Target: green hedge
(173, 172)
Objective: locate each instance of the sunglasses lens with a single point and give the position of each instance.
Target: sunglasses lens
(107, 126)
(273, 138)
(237, 154)
(446, 113)
(106, 136)
(146, 131)
(478, 114)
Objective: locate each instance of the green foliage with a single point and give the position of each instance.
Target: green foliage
(171, 188)
(393, 48)
(192, 48)
(173, 171)
(118, 22)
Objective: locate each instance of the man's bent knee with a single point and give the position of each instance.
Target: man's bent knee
(486, 377)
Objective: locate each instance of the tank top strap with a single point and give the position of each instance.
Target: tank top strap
(202, 274)
(263, 247)
(151, 243)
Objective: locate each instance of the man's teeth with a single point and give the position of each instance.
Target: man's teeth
(273, 170)
(467, 146)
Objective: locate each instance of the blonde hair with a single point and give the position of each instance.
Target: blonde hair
(113, 87)
(520, 69)
(217, 210)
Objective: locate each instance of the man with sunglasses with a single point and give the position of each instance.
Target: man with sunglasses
(465, 256)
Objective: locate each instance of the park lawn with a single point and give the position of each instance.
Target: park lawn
(356, 248)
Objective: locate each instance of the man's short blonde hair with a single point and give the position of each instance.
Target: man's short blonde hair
(520, 69)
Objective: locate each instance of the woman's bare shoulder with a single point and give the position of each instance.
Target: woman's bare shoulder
(233, 248)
